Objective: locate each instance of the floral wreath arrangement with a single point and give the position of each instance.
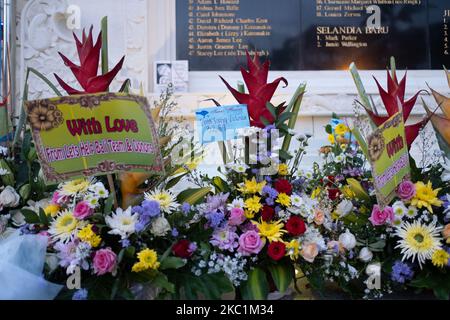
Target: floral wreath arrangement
(256, 228)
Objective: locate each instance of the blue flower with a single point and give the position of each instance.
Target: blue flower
(270, 201)
(271, 192)
(401, 272)
(175, 232)
(81, 294)
(215, 218)
(151, 208)
(125, 243)
(186, 207)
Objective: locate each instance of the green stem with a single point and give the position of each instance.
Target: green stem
(104, 26)
(294, 105)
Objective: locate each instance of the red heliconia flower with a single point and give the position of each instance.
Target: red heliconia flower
(393, 99)
(260, 92)
(86, 72)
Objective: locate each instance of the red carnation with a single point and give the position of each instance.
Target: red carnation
(295, 226)
(276, 250)
(181, 249)
(267, 213)
(333, 194)
(283, 186)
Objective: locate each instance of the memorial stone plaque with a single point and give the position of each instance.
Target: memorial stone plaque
(313, 34)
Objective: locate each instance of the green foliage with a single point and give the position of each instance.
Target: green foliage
(438, 281)
(282, 275)
(256, 287)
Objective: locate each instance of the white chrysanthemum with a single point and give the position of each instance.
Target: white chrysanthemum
(239, 168)
(122, 223)
(399, 209)
(92, 200)
(296, 200)
(99, 190)
(65, 226)
(418, 241)
(411, 212)
(339, 159)
(76, 187)
(165, 198)
(236, 203)
(308, 174)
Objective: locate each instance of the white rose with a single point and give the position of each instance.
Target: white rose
(373, 269)
(348, 240)
(160, 227)
(9, 197)
(344, 208)
(365, 255)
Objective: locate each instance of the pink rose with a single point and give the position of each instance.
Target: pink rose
(380, 217)
(237, 217)
(309, 251)
(319, 217)
(104, 261)
(82, 210)
(250, 243)
(406, 190)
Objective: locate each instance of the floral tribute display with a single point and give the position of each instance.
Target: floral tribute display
(257, 228)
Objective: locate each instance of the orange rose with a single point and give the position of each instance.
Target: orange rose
(446, 233)
(319, 217)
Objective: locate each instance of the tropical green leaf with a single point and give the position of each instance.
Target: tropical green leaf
(172, 263)
(272, 109)
(31, 217)
(109, 204)
(193, 196)
(282, 275)
(125, 88)
(284, 117)
(161, 281)
(265, 121)
(173, 182)
(256, 287)
(43, 217)
(220, 185)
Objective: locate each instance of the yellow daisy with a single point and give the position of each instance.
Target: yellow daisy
(148, 260)
(283, 169)
(88, 235)
(426, 196)
(51, 210)
(271, 231)
(76, 187)
(331, 139)
(440, 258)
(253, 205)
(252, 187)
(284, 200)
(293, 249)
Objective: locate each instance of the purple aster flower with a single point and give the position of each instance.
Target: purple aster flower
(270, 201)
(268, 179)
(125, 243)
(248, 227)
(215, 218)
(270, 127)
(225, 239)
(175, 232)
(81, 294)
(277, 209)
(66, 253)
(351, 254)
(192, 247)
(217, 202)
(186, 207)
(151, 208)
(401, 272)
(270, 192)
(256, 171)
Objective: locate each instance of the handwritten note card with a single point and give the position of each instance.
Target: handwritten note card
(221, 123)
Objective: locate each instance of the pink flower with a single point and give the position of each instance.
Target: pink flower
(82, 210)
(237, 217)
(104, 261)
(309, 251)
(380, 217)
(59, 199)
(250, 243)
(406, 190)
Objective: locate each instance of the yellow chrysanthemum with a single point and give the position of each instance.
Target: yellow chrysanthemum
(440, 258)
(87, 235)
(252, 187)
(148, 260)
(426, 196)
(284, 200)
(293, 249)
(253, 205)
(331, 139)
(315, 193)
(249, 215)
(271, 231)
(52, 210)
(341, 129)
(75, 187)
(283, 169)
